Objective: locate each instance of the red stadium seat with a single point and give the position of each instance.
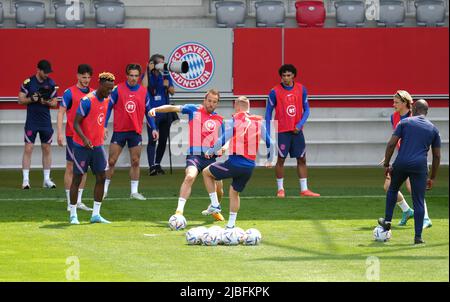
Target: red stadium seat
(310, 13)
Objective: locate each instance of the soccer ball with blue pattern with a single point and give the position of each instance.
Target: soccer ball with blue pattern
(379, 234)
(177, 222)
(194, 235)
(212, 237)
(252, 237)
(230, 237)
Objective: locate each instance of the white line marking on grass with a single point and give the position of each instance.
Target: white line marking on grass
(62, 199)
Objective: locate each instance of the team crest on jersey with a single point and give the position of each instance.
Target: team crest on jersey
(291, 110)
(210, 125)
(130, 106)
(101, 119)
(201, 65)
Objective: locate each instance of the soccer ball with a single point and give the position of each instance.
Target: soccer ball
(177, 222)
(211, 238)
(379, 234)
(193, 236)
(252, 237)
(230, 237)
(240, 233)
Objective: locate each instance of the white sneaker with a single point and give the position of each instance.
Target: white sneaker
(49, 184)
(83, 207)
(137, 196)
(26, 185)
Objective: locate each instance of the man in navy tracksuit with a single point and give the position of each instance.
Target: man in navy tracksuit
(417, 135)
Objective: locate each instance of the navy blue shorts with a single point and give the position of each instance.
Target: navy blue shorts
(198, 161)
(44, 134)
(85, 157)
(240, 175)
(292, 144)
(131, 138)
(69, 148)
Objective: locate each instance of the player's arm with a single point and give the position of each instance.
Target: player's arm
(82, 112)
(66, 102)
(112, 102)
(388, 153)
(164, 109)
(305, 115)
(436, 151)
(25, 97)
(52, 102)
(271, 147)
(271, 103)
(223, 139)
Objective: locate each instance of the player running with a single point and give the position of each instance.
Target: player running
(245, 133)
(204, 127)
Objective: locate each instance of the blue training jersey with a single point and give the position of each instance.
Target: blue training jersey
(417, 134)
(38, 115)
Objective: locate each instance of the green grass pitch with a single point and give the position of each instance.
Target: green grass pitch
(304, 239)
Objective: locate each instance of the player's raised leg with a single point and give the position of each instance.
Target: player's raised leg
(191, 173)
(401, 202)
(210, 184)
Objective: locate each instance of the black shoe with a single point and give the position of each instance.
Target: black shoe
(159, 170)
(152, 171)
(418, 240)
(386, 225)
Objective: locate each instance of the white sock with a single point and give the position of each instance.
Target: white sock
(68, 197)
(134, 186)
(73, 210)
(107, 182)
(214, 199)
(181, 203)
(96, 210)
(231, 220)
(46, 174)
(426, 210)
(26, 175)
(403, 205)
(280, 183)
(303, 184)
(80, 194)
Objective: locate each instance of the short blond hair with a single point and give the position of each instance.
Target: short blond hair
(243, 102)
(405, 97)
(106, 76)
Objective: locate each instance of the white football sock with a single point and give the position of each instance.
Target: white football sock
(68, 197)
(231, 220)
(181, 203)
(134, 186)
(280, 183)
(46, 174)
(107, 182)
(426, 210)
(80, 194)
(26, 175)
(403, 205)
(96, 210)
(303, 184)
(214, 199)
(73, 210)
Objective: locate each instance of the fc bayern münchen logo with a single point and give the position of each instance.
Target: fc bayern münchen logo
(201, 65)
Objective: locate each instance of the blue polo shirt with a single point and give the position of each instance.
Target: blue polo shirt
(417, 134)
(38, 115)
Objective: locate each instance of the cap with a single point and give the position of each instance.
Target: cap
(45, 66)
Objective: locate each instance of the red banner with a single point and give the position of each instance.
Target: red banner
(104, 49)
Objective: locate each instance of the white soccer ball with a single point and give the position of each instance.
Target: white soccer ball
(177, 222)
(379, 234)
(193, 236)
(230, 237)
(252, 237)
(211, 238)
(240, 233)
